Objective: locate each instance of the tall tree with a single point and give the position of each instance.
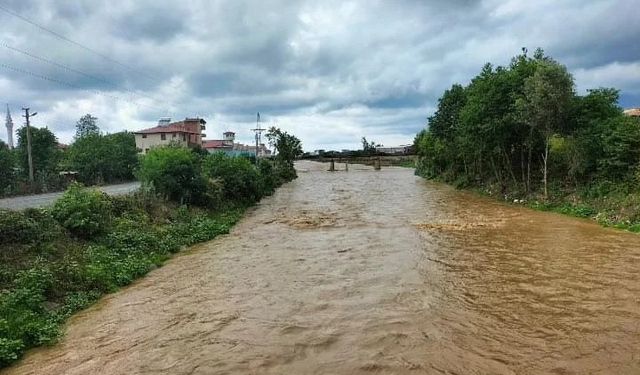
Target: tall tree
(548, 96)
(288, 146)
(7, 175)
(44, 149)
(87, 125)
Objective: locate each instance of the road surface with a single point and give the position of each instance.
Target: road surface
(41, 200)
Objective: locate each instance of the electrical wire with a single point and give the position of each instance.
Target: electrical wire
(74, 86)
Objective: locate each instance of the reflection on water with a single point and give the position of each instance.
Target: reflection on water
(373, 272)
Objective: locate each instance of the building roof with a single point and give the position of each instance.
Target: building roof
(632, 112)
(215, 143)
(176, 127)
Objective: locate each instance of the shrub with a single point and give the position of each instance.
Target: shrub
(240, 179)
(16, 227)
(174, 172)
(84, 212)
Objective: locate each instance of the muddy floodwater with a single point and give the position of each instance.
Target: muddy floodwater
(373, 272)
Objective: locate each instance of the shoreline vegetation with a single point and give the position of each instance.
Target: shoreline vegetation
(57, 260)
(520, 133)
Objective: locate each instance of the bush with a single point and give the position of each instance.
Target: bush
(174, 172)
(84, 212)
(16, 227)
(240, 179)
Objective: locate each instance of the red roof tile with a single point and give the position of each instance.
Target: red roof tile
(190, 126)
(214, 143)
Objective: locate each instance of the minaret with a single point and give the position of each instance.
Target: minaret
(9, 125)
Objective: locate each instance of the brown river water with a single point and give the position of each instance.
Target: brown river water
(366, 272)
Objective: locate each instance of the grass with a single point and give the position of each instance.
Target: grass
(50, 273)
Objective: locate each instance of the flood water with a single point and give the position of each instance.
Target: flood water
(366, 272)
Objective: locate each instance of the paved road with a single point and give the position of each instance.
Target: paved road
(40, 200)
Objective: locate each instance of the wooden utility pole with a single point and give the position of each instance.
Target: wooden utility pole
(29, 156)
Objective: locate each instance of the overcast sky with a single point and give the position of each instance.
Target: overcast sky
(330, 72)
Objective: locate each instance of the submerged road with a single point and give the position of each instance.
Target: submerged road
(366, 272)
(41, 200)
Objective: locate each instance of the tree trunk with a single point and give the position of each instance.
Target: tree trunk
(524, 179)
(529, 161)
(510, 168)
(546, 159)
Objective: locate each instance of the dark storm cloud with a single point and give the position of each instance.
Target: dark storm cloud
(350, 68)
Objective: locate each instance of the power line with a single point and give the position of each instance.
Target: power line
(78, 44)
(70, 69)
(63, 83)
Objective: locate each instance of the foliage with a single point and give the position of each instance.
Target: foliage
(173, 172)
(103, 158)
(7, 169)
(287, 146)
(16, 227)
(44, 149)
(240, 179)
(369, 148)
(84, 212)
(522, 130)
(86, 126)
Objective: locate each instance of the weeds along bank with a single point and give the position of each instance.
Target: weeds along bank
(58, 260)
(522, 133)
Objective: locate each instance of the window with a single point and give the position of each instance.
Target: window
(174, 135)
(144, 136)
(163, 136)
(146, 150)
(184, 137)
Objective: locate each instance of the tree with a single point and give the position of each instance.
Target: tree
(288, 148)
(447, 117)
(369, 147)
(174, 172)
(7, 165)
(44, 149)
(103, 158)
(547, 104)
(87, 125)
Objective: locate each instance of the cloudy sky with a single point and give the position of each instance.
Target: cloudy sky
(331, 72)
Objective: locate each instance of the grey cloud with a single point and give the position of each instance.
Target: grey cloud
(352, 68)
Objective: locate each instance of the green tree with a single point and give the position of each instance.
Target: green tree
(44, 149)
(103, 158)
(173, 172)
(288, 147)
(7, 166)
(547, 105)
(240, 179)
(369, 148)
(87, 125)
(447, 116)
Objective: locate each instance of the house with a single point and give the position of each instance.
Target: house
(398, 150)
(228, 145)
(186, 133)
(635, 112)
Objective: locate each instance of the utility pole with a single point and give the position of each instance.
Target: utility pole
(258, 131)
(29, 156)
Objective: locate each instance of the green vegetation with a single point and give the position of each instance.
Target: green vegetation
(97, 158)
(521, 133)
(101, 158)
(56, 261)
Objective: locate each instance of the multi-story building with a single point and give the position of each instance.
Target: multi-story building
(229, 147)
(187, 133)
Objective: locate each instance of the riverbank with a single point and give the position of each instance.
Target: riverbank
(618, 209)
(48, 272)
